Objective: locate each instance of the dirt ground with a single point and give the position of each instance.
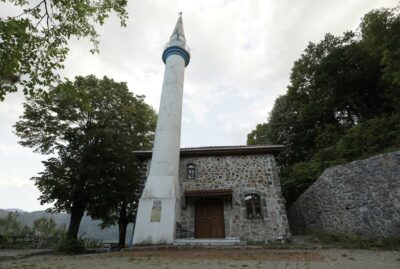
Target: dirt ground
(215, 258)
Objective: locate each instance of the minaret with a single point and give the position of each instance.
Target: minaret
(159, 204)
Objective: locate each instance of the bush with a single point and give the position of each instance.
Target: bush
(356, 241)
(74, 246)
(371, 137)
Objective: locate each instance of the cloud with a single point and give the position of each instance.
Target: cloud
(242, 54)
(15, 182)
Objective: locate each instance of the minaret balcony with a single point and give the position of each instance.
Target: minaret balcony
(177, 43)
(177, 47)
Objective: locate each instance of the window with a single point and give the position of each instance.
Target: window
(253, 206)
(191, 171)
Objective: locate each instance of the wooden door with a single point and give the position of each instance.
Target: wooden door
(209, 219)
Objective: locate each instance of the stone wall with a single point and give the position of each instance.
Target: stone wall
(361, 198)
(244, 175)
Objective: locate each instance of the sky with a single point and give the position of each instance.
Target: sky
(242, 53)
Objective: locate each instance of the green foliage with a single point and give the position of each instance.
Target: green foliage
(43, 234)
(342, 102)
(45, 227)
(10, 226)
(295, 179)
(34, 44)
(93, 126)
(71, 246)
(88, 229)
(358, 242)
(380, 34)
(368, 138)
(259, 135)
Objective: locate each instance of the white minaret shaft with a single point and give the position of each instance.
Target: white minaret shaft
(160, 201)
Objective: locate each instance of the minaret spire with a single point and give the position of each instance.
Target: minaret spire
(178, 30)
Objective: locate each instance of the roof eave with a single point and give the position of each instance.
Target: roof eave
(220, 151)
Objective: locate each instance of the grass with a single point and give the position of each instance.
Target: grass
(357, 242)
(326, 241)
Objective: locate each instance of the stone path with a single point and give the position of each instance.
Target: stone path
(214, 258)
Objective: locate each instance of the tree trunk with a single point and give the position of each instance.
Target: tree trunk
(122, 224)
(76, 216)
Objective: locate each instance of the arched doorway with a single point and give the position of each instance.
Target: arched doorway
(209, 218)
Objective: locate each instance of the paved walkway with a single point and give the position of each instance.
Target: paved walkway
(12, 254)
(214, 258)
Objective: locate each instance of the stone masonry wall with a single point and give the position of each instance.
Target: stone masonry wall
(244, 175)
(361, 197)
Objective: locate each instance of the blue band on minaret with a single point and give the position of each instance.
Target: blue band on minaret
(178, 51)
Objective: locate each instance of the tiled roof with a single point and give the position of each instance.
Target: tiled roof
(224, 194)
(220, 150)
(229, 146)
(208, 192)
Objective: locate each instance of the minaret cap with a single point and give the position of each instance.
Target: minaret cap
(177, 43)
(178, 30)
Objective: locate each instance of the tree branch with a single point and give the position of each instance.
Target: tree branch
(40, 20)
(46, 13)
(30, 9)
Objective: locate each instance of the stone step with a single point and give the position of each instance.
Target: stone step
(209, 242)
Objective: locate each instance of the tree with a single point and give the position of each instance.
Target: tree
(260, 135)
(45, 227)
(34, 44)
(337, 86)
(90, 125)
(118, 205)
(10, 226)
(121, 206)
(380, 34)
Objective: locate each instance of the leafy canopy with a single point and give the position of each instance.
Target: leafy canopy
(10, 225)
(92, 126)
(45, 227)
(34, 44)
(342, 102)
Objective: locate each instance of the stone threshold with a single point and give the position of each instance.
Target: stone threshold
(229, 241)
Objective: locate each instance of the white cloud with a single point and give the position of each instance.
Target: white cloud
(15, 182)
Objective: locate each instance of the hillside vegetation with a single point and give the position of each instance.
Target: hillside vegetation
(88, 229)
(342, 103)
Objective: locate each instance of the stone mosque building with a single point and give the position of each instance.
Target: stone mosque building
(207, 195)
(228, 192)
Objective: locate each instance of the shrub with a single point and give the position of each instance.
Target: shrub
(68, 246)
(352, 241)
